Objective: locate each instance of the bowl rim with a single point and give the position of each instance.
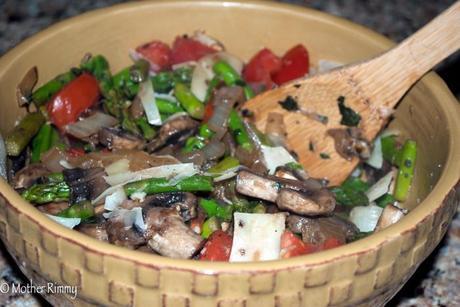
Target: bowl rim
(448, 180)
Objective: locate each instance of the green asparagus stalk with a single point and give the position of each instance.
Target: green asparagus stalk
(205, 132)
(164, 82)
(47, 192)
(188, 101)
(406, 170)
(167, 107)
(236, 126)
(41, 142)
(127, 80)
(21, 135)
(44, 93)
(148, 132)
(226, 164)
(193, 143)
(162, 185)
(83, 210)
(230, 76)
(214, 209)
(212, 85)
(55, 177)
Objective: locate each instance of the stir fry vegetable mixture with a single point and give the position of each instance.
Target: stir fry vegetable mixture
(162, 157)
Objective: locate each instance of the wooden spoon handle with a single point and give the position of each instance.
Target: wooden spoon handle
(390, 75)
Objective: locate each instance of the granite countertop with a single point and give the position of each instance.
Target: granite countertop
(436, 281)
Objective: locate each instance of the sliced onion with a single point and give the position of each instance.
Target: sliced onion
(207, 40)
(132, 217)
(376, 158)
(90, 125)
(199, 85)
(275, 157)
(219, 119)
(229, 173)
(365, 217)
(69, 222)
(115, 199)
(164, 171)
(168, 97)
(214, 150)
(381, 187)
(232, 60)
(184, 64)
(147, 97)
(120, 166)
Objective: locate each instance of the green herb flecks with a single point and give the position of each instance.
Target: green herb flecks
(349, 116)
(289, 104)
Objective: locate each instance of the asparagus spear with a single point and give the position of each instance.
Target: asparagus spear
(213, 208)
(236, 126)
(167, 107)
(83, 210)
(225, 72)
(21, 135)
(44, 93)
(188, 101)
(127, 80)
(227, 163)
(148, 132)
(42, 142)
(161, 185)
(209, 226)
(406, 170)
(164, 82)
(47, 192)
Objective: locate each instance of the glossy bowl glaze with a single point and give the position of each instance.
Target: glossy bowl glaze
(368, 272)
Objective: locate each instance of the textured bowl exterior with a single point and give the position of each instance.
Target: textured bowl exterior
(366, 272)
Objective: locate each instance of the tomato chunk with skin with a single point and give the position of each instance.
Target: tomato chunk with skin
(218, 247)
(157, 53)
(295, 65)
(292, 246)
(260, 68)
(331, 243)
(73, 99)
(186, 49)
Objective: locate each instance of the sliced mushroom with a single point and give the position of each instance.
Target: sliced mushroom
(168, 235)
(29, 175)
(317, 230)
(184, 203)
(122, 235)
(113, 138)
(253, 185)
(350, 143)
(390, 215)
(85, 184)
(312, 204)
(173, 131)
(95, 230)
(26, 86)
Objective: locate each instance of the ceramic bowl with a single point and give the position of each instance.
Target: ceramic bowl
(367, 272)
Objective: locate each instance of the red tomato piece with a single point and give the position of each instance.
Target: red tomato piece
(260, 68)
(157, 53)
(73, 99)
(292, 246)
(186, 49)
(295, 65)
(208, 111)
(218, 247)
(331, 243)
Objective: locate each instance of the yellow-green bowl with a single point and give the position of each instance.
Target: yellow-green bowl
(369, 271)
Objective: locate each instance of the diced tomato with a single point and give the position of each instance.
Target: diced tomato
(331, 243)
(295, 65)
(186, 49)
(292, 246)
(208, 111)
(73, 99)
(75, 152)
(218, 247)
(260, 68)
(157, 53)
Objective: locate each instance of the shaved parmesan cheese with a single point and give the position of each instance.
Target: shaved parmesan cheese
(115, 199)
(69, 222)
(199, 84)
(148, 102)
(139, 195)
(256, 236)
(132, 217)
(229, 173)
(116, 167)
(376, 158)
(276, 156)
(170, 171)
(381, 187)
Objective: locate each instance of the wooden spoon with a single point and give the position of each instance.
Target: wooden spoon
(370, 88)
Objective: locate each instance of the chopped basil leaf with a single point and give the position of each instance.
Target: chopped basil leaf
(324, 155)
(289, 104)
(349, 117)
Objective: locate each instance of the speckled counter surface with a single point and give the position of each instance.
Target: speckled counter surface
(436, 282)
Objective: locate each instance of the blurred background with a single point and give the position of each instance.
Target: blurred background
(436, 282)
